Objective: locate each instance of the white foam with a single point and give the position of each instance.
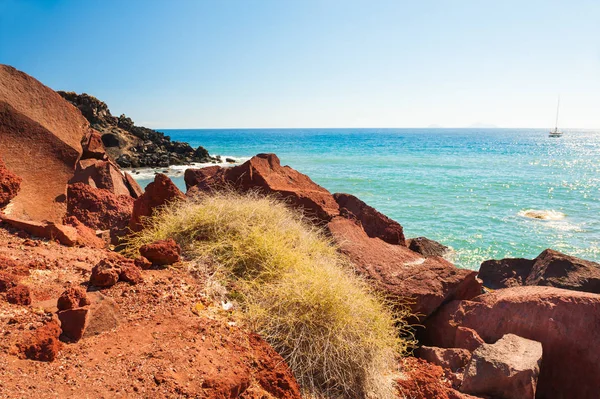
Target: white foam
(542, 214)
(179, 170)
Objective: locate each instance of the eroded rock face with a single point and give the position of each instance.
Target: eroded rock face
(33, 116)
(161, 253)
(401, 273)
(427, 247)
(98, 208)
(9, 185)
(564, 321)
(158, 193)
(507, 369)
(375, 223)
(550, 268)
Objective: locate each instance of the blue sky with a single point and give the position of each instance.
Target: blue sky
(308, 63)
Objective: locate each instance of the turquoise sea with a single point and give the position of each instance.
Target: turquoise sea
(470, 189)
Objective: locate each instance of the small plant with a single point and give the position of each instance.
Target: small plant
(295, 289)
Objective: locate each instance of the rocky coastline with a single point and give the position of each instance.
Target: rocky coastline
(81, 319)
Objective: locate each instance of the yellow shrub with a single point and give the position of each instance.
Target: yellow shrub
(338, 337)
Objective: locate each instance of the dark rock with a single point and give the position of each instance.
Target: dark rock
(427, 247)
(505, 273)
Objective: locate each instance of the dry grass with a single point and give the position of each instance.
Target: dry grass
(338, 337)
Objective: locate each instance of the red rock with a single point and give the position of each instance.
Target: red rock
(447, 358)
(44, 344)
(427, 247)
(264, 172)
(564, 321)
(505, 273)
(467, 338)
(158, 193)
(373, 222)
(507, 369)
(142, 263)
(135, 189)
(7, 281)
(64, 234)
(98, 208)
(130, 273)
(101, 174)
(9, 185)
(19, 295)
(40, 141)
(103, 315)
(550, 268)
(401, 273)
(93, 147)
(205, 178)
(162, 252)
(105, 274)
(73, 322)
(86, 236)
(422, 380)
(73, 297)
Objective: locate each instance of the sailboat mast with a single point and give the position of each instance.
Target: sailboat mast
(557, 107)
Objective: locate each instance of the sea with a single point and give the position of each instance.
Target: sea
(485, 193)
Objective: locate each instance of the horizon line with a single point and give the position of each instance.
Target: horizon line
(389, 128)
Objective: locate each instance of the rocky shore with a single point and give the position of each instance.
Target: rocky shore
(132, 146)
(79, 319)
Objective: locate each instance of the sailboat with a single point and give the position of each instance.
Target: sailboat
(556, 132)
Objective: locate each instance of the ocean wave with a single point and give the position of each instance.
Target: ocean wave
(179, 170)
(542, 214)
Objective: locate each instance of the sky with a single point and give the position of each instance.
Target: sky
(316, 63)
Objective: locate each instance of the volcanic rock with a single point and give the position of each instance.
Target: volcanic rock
(373, 222)
(102, 174)
(508, 369)
(98, 208)
(73, 297)
(447, 358)
(43, 345)
(564, 321)
(162, 252)
(93, 147)
(35, 118)
(130, 273)
(19, 295)
(73, 323)
(105, 273)
(9, 185)
(427, 247)
(550, 268)
(425, 283)
(158, 193)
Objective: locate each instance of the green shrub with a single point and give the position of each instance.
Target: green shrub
(294, 288)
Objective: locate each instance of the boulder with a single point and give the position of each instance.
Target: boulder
(101, 174)
(427, 247)
(73, 297)
(447, 358)
(265, 174)
(550, 268)
(98, 208)
(40, 141)
(19, 295)
(162, 252)
(105, 273)
(103, 316)
(64, 234)
(505, 273)
(86, 237)
(467, 338)
(564, 321)
(92, 146)
(401, 274)
(508, 369)
(73, 323)
(43, 345)
(9, 185)
(373, 222)
(158, 193)
(135, 189)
